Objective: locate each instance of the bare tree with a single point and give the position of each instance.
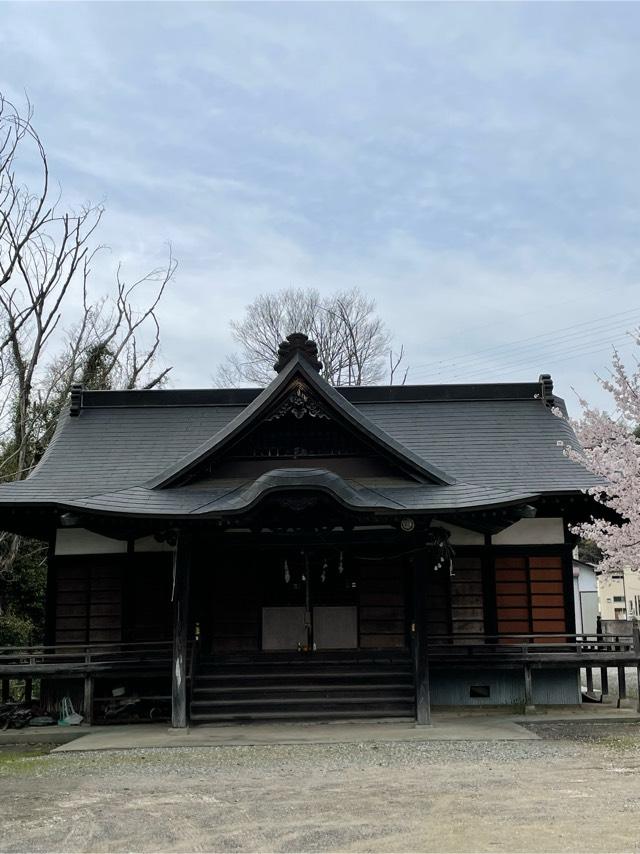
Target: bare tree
(45, 265)
(53, 331)
(353, 342)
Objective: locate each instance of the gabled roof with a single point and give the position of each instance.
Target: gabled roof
(471, 446)
(298, 368)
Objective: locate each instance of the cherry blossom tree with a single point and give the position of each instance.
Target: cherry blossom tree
(612, 449)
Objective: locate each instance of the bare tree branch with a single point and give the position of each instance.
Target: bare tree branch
(352, 340)
(53, 332)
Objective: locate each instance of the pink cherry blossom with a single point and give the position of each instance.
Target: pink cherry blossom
(612, 450)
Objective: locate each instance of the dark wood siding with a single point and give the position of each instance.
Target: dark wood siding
(381, 593)
(147, 597)
(88, 599)
(233, 606)
(438, 601)
(467, 603)
(455, 602)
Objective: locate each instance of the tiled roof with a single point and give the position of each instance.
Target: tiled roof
(478, 446)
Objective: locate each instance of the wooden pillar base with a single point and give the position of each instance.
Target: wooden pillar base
(88, 699)
(590, 680)
(622, 683)
(528, 690)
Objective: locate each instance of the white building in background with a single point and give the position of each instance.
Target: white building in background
(619, 595)
(585, 594)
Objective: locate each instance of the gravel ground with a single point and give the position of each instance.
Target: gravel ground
(577, 789)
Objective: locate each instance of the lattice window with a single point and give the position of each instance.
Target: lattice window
(296, 438)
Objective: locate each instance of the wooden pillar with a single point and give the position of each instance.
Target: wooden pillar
(180, 596)
(51, 594)
(421, 660)
(28, 690)
(604, 680)
(5, 690)
(635, 631)
(528, 690)
(88, 699)
(622, 683)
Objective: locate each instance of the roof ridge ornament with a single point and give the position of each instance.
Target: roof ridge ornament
(546, 389)
(297, 342)
(75, 404)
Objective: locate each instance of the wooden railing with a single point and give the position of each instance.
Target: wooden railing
(84, 658)
(540, 648)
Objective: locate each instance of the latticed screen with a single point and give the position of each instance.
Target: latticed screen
(530, 595)
(290, 437)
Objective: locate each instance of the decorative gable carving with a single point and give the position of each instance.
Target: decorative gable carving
(299, 402)
(299, 415)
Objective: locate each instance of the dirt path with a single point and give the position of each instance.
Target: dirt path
(576, 790)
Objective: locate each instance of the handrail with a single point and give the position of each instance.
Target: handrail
(193, 658)
(79, 656)
(580, 638)
(538, 648)
(38, 649)
(535, 647)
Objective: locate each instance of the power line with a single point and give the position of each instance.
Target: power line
(500, 374)
(575, 351)
(552, 336)
(583, 348)
(521, 359)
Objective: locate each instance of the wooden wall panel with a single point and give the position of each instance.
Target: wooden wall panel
(147, 597)
(438, 611)
(530, 595)
(467, 600)
(88, 599)
(512, 595)
(235, 606)
(455, 603)
(381, 600)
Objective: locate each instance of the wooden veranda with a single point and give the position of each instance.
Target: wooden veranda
(527, 653)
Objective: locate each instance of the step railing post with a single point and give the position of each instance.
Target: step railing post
(635, 631)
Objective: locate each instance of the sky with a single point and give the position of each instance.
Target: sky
(472, 167)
